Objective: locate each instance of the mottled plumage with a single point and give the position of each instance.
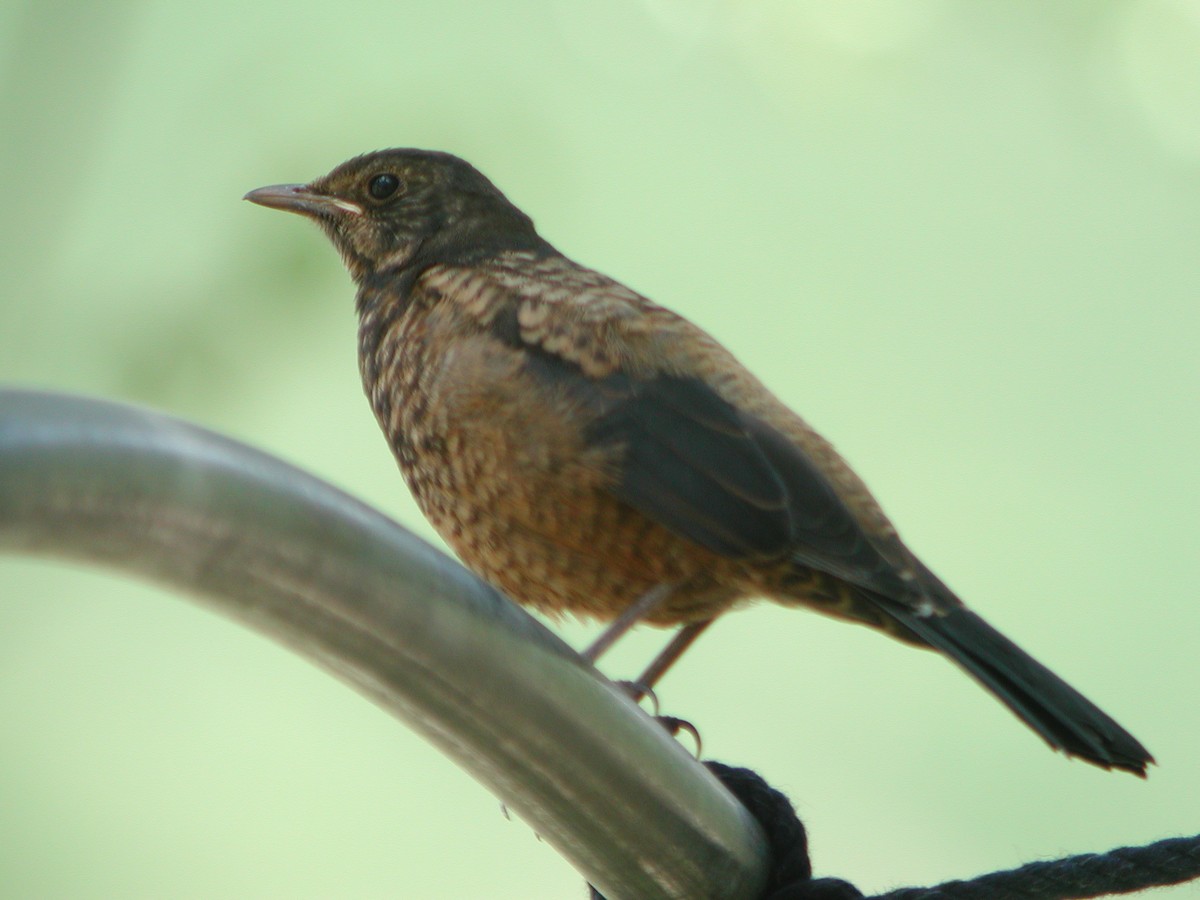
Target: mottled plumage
(579, 446)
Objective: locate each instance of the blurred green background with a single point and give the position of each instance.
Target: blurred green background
(961, 238)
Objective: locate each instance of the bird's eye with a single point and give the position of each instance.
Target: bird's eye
(383, 186)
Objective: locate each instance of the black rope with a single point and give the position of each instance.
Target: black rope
(1120, 871)
(791, 872)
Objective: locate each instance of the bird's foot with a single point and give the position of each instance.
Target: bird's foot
(638, 692)
(675, 725)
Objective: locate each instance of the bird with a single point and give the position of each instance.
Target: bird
(588, 451)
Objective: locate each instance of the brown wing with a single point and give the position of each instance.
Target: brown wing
(686, 456)
(728, 481)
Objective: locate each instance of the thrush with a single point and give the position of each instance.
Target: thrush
(588, 451)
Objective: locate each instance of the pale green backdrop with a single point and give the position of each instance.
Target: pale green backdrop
(962, 238)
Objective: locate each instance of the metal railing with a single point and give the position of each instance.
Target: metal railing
(339, 583)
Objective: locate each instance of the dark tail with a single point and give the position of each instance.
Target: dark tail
(1064, 718)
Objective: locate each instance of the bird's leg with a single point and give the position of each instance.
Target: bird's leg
(644, 686)
(639, 609)
(682, 640)
(679, 643)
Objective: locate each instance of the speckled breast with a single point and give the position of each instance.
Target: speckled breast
(501, 472)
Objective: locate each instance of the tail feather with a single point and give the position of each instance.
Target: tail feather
(1062, 716)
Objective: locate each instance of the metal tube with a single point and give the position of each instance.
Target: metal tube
(314, 569)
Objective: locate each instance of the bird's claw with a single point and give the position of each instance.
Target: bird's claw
(636, 691)
(675, 725)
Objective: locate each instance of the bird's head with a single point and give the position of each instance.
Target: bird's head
(395, 209)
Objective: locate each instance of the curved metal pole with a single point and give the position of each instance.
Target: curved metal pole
(316, 570)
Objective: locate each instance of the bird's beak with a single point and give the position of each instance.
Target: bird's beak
(299, 198)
